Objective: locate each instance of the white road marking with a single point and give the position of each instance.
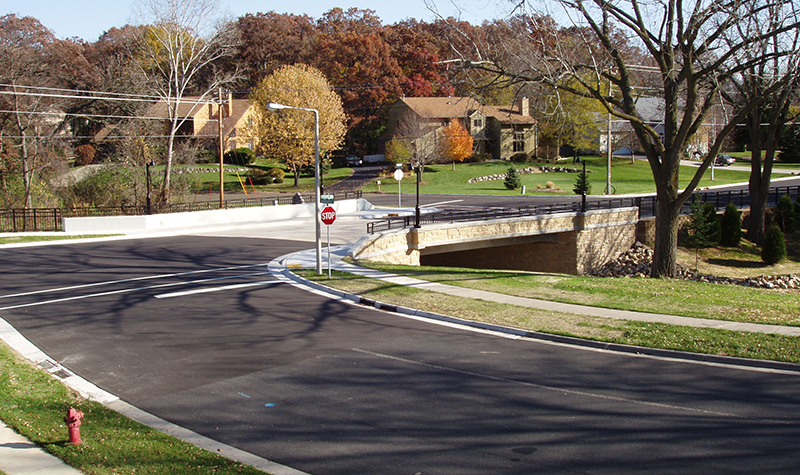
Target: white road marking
(124, 291)
(441, 203)
(216, 289)
(133, 279)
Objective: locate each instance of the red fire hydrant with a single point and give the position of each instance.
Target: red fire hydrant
(73, 421)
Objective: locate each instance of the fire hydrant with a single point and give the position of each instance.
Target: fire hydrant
(73, 421)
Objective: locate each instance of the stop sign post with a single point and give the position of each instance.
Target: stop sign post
(328, 216)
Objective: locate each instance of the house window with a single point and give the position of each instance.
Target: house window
(477, 122)
(519, 141)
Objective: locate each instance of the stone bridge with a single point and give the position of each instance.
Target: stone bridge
(570, 242)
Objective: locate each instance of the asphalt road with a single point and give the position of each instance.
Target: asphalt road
(331, 388)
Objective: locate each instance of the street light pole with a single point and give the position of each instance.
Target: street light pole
(147, 167)
(273, 106)
(416, 210)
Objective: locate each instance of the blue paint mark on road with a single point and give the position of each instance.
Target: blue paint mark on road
(271, 404)
(245, 395)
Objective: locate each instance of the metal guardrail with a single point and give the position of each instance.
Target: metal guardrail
(50, 219)
(646, 204)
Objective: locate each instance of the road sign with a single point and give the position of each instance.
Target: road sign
(328, 215)
(398, 174)
(327, 199)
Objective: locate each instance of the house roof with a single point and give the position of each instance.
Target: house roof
(452, 107)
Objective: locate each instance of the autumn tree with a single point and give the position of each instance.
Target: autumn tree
(271, 40)
(398, 151)
(33, 62)
(458, 143)
(355, 57)
(418, 54)
(112, 61)
(288, 134)
(692, 50)
(182, 39)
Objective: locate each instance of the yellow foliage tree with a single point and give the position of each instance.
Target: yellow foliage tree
(288, 134)
(458, 143)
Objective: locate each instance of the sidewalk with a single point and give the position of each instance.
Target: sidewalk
(19, 456)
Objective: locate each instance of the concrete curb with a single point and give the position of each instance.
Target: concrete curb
(279, 266)
(29, 459)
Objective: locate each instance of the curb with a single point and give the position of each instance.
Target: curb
(561, 339)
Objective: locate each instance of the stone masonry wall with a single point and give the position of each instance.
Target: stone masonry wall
(580, 242)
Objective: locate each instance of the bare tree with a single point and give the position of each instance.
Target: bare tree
(32, 63)
(423, 138)
(183, 38)
(766, 122)
(689, 50)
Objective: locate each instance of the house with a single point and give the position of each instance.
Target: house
(201, 118)
(651, 110)
(497, 131)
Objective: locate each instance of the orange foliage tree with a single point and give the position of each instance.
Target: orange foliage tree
(458, 142)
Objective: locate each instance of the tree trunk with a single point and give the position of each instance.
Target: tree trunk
(755, 226)
(296, 169)
(665, 257)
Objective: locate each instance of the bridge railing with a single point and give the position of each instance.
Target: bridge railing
(646, 204)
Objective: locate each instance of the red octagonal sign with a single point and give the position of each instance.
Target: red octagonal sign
(328, 215)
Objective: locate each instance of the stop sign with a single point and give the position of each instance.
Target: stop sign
(328, 215)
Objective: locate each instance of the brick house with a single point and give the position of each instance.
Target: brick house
(201, 119)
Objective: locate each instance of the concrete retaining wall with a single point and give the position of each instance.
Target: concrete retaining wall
(195, 219)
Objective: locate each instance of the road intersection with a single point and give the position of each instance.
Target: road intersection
(191, 329)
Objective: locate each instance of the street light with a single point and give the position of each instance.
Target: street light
(583, 177)
(416, 209)
(147, 167)
(274, 106)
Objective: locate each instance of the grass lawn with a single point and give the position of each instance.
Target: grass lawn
(31, 238)
(652, 335)
(34, 404)
(203, 182)
(626, 177)
(669, 296)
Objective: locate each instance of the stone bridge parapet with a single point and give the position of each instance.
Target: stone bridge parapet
(571, 243)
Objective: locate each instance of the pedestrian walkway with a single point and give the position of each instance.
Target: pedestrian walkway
(19, 456)
(308, 259)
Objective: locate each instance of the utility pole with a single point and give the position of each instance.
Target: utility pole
(221, 151)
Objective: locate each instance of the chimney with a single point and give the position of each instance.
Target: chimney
(229, 109)
(525, 106)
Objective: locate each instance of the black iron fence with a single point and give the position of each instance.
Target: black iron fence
(50, 219)
(646, 205)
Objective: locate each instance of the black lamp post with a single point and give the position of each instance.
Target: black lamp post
(149, 205)
(583, 178)
(416, 209)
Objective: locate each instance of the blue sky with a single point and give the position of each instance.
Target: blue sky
(88, 19)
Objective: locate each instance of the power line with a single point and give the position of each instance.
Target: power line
(110, 137)
(85, 91)
(76, 115)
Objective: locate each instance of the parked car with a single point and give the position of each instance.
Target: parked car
(723, 160)
(354, 161)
